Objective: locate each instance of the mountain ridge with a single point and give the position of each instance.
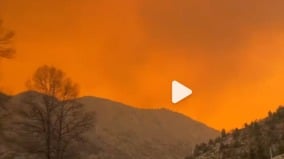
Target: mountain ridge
(126, 132)
(144, 109)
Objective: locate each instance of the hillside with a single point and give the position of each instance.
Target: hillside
(125, 132)
(261, 139)
(279, 157)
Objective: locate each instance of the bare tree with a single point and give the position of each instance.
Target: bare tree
(58, 121)
(6, 51)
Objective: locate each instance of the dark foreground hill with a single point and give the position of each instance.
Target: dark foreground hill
(263, 139)
(124, 132)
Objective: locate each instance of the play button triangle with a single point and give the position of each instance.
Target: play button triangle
(179, 92)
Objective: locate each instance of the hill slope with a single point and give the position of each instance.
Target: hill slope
(261, 139)
(145, 133)
(124, 132)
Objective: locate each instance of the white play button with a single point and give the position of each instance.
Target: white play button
(179, 92)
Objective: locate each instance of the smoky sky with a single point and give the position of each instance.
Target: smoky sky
(219, 28)
(210, 24)
(130, 50)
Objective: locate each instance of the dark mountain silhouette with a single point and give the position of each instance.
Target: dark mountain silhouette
(125, 132)
(262, 139)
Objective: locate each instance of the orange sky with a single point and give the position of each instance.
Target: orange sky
(231, 53)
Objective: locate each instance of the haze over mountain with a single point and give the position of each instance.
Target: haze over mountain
(125, 132)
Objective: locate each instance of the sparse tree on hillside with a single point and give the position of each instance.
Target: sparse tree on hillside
(6, 51)
(59, 121)
(223, 133)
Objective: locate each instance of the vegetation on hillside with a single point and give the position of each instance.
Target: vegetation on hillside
(261, 139)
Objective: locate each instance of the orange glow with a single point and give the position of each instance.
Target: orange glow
(129, 51)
